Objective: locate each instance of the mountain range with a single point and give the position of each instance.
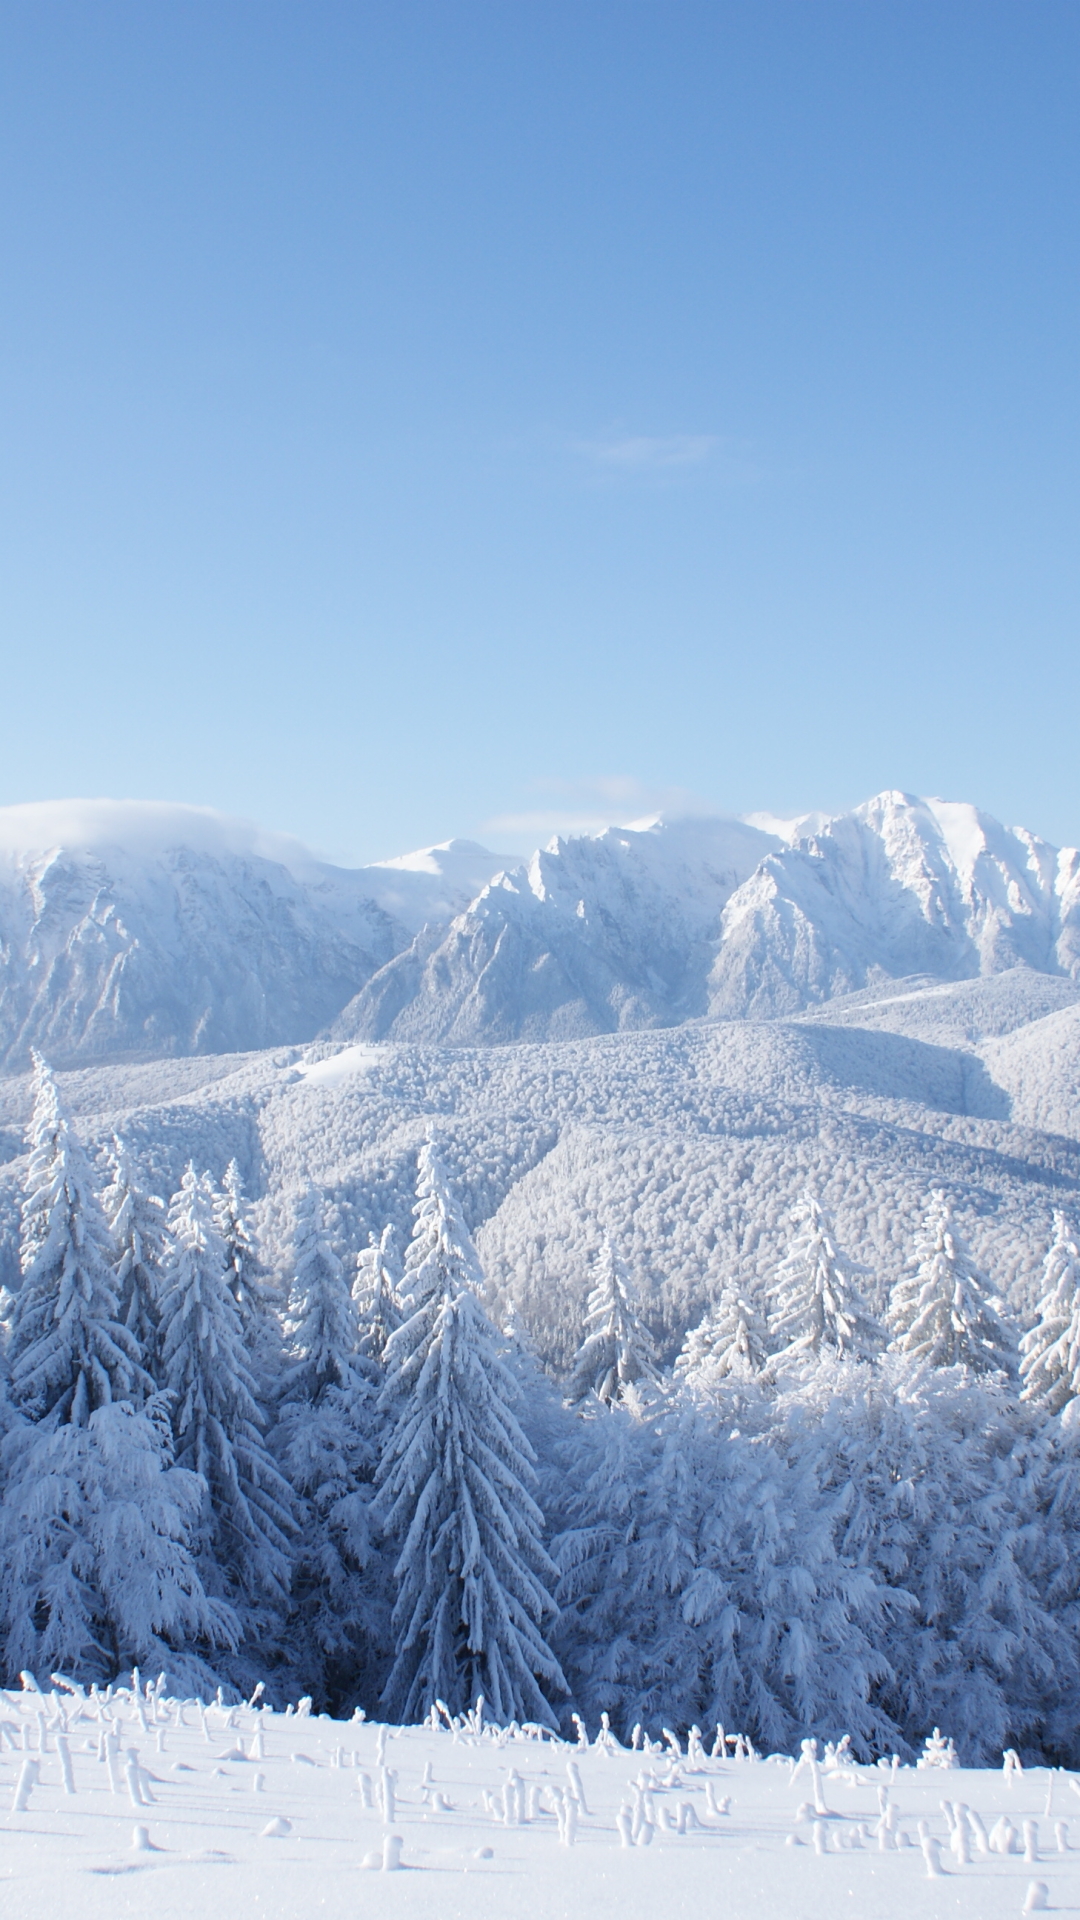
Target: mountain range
(129, 930)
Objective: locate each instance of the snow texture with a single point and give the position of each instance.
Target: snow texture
(238, 1810)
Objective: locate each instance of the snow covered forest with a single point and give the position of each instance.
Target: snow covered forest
(313, 1444)
(641, 1282)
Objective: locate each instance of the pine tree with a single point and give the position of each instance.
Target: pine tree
(456, 1496)
(617, 1350)
(323, 1314)
(232, 1218)
(728, 1344)
(1050, 1367)
(440, 1256)
(97, 1572)
(376, 1296)
(817, 1304)
(137, 1224)
(216, 1418)
(942, 1314)
(324, 1442)
(68, 1352)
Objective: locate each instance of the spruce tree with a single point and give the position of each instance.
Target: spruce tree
(376, 1296)
(817, 1306)
(728, 1344)
(68, 1352)
(1050, 1363)
(232, 1217)
(324, 1441)
(216, 1419)
(323, 1319)
(97, 1562)
(617, 1351)
(440, 1255)
(137, 1224)
(942, 1313)
(456, 1494)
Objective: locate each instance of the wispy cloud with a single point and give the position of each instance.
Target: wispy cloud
(589, 805)
(649, 453)
(666, 455)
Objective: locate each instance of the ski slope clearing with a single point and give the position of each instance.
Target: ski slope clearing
(131, 1804)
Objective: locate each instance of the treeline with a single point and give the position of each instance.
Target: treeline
(339, 1477)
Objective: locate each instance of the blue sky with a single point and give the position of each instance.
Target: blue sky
(423, 419)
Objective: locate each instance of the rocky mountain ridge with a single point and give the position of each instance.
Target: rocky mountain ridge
(132, 931)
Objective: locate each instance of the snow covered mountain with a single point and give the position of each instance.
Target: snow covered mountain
(128, 928)
(135, 930)
(649, 926)
(594, 935)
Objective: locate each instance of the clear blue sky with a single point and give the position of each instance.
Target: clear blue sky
(415, 415)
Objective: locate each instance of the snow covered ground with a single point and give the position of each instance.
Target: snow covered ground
(230, 1812)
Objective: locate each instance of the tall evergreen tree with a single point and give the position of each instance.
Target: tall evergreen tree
(68, 1351)
(376, 1296)
(1050, 1363)
(137, 1224)
(942, 1313)
(323, 1319)
(440, 1255)
(617, 1350)
(216, 1419)
(817, 1306)
(232, 1218)
(456, 1494)
(728, 1344)
(324, 1441)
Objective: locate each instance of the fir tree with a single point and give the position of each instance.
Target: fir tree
(1050, 1366)
(216, 1418)
(324, 1442)
(728, 1344)
(456, 1495)
(97, 1572)
(376, 1296)
(232, 1218)
(68, 1352)
(617, 1350)
(440, 1256)
(942, 1314)
(323, 1314)
(817, 1304)
(137, 1224)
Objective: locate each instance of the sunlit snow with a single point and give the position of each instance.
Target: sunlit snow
(130, 1803)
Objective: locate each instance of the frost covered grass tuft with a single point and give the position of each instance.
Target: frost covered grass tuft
(488, 1821)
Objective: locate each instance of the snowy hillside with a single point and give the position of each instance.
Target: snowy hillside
(230, 1810)
(688, 1147)
(136, 929)
(680, 920)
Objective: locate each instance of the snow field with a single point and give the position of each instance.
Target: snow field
(126, 1803)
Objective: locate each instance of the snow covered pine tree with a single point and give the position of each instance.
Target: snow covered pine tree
(96, 1567)
(324, 1442)
(617, 1351)
(216, 1420)
(137, 1223)
(729, 1343)
(1050, 1366)
(943, 1313)
(68, 1352)
(377, 1302)
(818, 1307)
(456, 1493)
